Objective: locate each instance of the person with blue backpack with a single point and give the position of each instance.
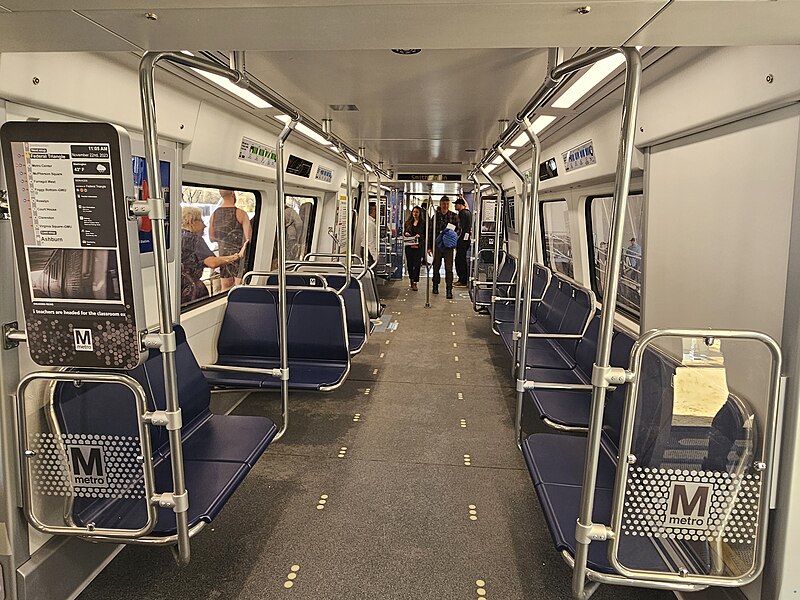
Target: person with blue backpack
(443, 245)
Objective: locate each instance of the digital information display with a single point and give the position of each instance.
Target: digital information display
(74, 242)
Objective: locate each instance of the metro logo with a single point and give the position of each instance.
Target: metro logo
(83, 340)
(88, 466)
(688, 505)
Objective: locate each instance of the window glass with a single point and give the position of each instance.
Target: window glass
(217, 240)
(557, 241)
(299, 216)
(630, 282)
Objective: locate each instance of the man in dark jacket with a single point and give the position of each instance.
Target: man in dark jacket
(464, 233)
(443, 218)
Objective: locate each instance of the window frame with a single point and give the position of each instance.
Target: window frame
(254, 223)
(313, 218)
(620, 308)
(543, 234)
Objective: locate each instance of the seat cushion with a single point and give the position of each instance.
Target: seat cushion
(210, 484)
(558, 459)
(554, 375)
(563, 407)
(229, 438)
(302, 376)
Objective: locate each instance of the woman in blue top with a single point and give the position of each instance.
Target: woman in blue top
(196, 256)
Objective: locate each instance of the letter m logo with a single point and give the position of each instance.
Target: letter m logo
(88, 465)
(689, 504)
(83, 340)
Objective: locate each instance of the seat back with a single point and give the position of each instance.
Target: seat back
(541, 278)
(250, 325)
(576, 316)
(300, 280)
(554, 305)
(316, 326)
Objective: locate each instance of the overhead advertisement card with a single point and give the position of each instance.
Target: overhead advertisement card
(73, 247)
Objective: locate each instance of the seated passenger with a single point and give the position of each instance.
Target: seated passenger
(196, 256)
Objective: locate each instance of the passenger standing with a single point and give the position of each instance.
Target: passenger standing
(371, 234)
(196, 256)
(230, 228)
(464, 232)
(441, 251)
(415, 228)
(633, 260)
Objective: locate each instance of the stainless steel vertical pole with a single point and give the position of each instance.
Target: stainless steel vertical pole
(524, 257)
(497, 215)
(282, 312)
(528, 292)
(584, 531)
(428, 240)
(150, 131)
(477, 215)
(348, 254)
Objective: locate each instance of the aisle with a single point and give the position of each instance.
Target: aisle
(405, 483)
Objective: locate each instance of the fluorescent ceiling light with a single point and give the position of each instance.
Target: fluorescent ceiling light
(336, 149)
(490, 168)
(352, 158)
(497, 161)
(484, 186)
(539, 124)
(386, 187)
(589, 80)
(368, 167)
(231, 87)
(305, 130)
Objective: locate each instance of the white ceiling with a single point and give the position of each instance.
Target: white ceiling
(480, 60)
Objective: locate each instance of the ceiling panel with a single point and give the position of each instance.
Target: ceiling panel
(344, 27)
(723, 23)
(56, 31)
(426, 108)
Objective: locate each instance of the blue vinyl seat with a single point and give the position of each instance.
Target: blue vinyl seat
(317, 344)
(218, 450)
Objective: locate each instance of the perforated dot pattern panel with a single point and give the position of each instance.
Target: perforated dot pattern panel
(692, 505)
(86, 466)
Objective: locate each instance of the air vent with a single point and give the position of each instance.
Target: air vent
(456, 162)
(406, 51)
(343, 107)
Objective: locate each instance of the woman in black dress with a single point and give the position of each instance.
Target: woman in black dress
(414, 228)
(230, 228)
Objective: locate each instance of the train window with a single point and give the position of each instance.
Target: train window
(598, 218)
(556, 236)
(218, 237)
(301, 212)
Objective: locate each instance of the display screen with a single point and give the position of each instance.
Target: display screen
(298, 166)
(548, 169)
(142, 192)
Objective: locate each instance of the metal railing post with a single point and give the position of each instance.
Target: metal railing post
(584, 528)
(496, 258)
(282, 312)
(164, 300)
(349, 217)
(524, 258)
(428, 240)
(477, 217)
(528, 292)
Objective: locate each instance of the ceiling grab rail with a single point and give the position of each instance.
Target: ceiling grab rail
(526, 294)
(497, 215)
(585, 531)
(523, 249)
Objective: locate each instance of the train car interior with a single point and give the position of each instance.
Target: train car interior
(333, 300)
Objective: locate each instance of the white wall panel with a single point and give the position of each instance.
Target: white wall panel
(718, 222)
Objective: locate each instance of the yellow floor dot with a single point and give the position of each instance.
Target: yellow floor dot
(481, 592)
(295, 568)
(288, 584)
(473, 512)
(292, 576)
(324, 496)
(322, 501)
(480, 583)
(320, 506)
(473, 518)
(472, 506)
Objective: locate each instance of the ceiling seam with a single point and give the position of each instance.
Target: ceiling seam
(107, 30)
(648, 22)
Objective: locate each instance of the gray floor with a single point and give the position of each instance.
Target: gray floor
(396, 522)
